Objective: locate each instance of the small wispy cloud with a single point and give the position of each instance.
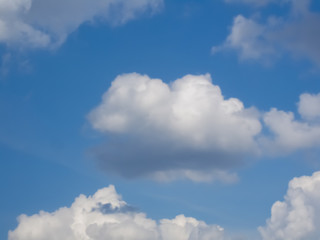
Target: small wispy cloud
(47, 23)
(297, 33)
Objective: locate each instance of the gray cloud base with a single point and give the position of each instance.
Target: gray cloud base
(162, 162)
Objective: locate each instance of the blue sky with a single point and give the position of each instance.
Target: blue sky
(202, 108)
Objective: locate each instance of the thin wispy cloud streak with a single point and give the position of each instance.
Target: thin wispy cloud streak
(267, 39)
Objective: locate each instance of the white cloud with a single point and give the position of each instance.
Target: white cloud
(309, 106)
(182, 228)
(298, 216)
(187, 128)
(290, 134)
(47, 23)
(191, 111)
(106, 216)
(249, 38)
(297, 33)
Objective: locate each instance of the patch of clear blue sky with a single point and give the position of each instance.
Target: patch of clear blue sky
(45, 139)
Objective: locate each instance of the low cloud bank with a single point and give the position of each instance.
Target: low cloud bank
(106, 216)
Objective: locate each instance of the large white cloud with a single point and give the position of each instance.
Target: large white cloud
(191, 111)
(298, 216)
(106, 216)
(186, 128)
(47, 23)
(297, 33)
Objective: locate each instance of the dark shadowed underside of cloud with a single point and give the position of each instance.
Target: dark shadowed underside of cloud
(160, 161)
(266, 39)
(187, 129)
(47, 23)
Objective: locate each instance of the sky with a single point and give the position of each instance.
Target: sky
(160, 120)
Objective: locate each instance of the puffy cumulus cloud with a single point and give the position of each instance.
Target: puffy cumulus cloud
(188, 130)
(191, 110)
(298, 216)
(296, 33)
(290, 134)
(47, 23)
(309, 106)
(185, 129)
(106, 216)
(182, 228)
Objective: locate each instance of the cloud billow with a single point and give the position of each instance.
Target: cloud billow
(105, 215)
(298, 216)
(87, 219)
(188, 130)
